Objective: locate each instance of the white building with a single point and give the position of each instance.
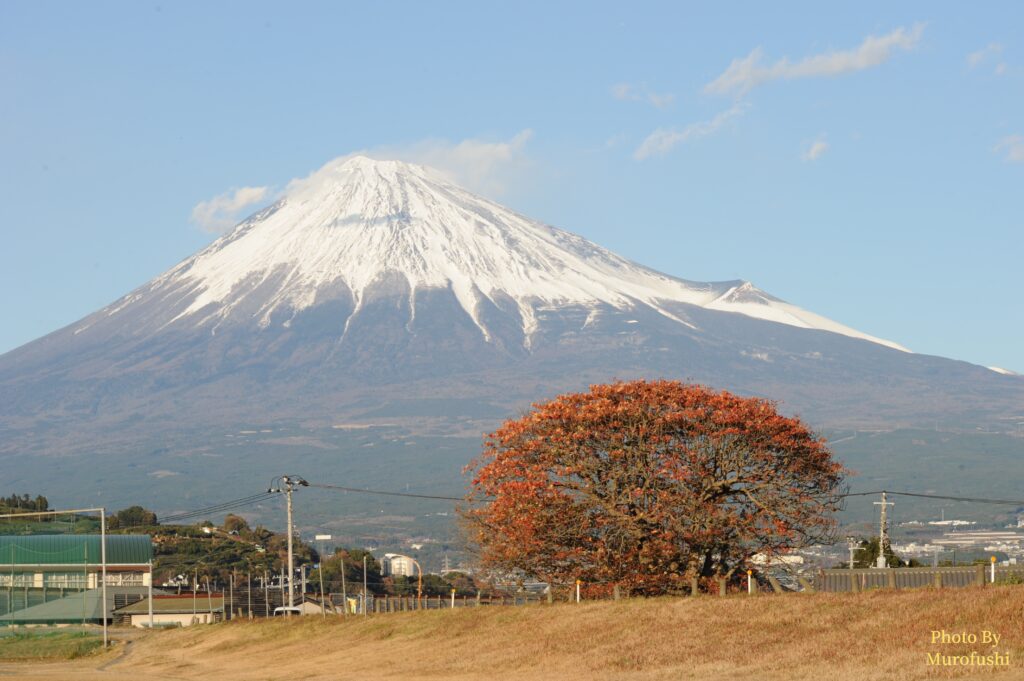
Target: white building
(174, 610)
(397, 565)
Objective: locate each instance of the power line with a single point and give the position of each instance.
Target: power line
(387, 494)
(264, 496)
(978, 500)
(974, 500)
(217, 508)
(243, 500)
(212, 510)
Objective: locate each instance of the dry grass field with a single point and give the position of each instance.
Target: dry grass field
(876, 635)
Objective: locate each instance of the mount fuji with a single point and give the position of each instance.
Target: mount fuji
(380, 292)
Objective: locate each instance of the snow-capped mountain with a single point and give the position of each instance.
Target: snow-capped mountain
(380, 291)
(377, 305)
(358, 222)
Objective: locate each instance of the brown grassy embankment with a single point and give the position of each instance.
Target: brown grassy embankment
(839, 637)
(48, 645)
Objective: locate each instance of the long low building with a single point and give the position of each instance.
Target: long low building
(55, 579)
(174, 610)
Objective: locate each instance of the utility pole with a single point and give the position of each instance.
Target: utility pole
(290, 483)
(266, 593)
(851, 543)
(291, 552)
(103, 574)
(364, 584)
(344, 591)
(151, 595)
(321, 548)
(883, 531)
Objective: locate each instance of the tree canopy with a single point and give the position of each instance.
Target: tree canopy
(647, 485)
(133, 516)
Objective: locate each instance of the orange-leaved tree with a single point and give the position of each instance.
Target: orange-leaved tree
(647, 484)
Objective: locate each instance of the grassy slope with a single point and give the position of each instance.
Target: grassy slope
(879, 635)
(54, 645)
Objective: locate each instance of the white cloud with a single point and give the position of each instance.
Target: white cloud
(1013, 145)
(975, 59)
(222, 212)
(1000, 68)
(639, 93)
(486, 167)
(623, 91)
(749, 72)
(662, 141)
(815, 150)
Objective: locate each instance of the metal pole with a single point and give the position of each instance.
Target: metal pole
(344, 591)
(266, 594)
(323, 602)
(231, 590)
(195, 587)
(883, 531)
(209, 602)
(291, 553)
(993, 569)
(419, 583)
(103, 569)
(364, 585)
(150, 594)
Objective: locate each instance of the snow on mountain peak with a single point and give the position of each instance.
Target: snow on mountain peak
(357, 220)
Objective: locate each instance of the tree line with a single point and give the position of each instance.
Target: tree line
(25, 502)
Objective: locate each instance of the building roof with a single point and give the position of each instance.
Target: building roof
(74, 549)
(175, 604)
(77, 606)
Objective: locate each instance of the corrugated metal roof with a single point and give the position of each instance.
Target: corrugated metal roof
(175, 604)
(75, 607)
(74, 549)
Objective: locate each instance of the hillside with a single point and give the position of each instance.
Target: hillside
(793, 637)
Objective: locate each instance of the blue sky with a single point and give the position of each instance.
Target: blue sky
(861, 160)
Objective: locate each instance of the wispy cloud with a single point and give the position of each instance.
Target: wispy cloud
(223, 211)
(988, 53)
(485, 166)
(815, 150)
(488, 167)
(640, 93)
(750, 71)
(1013, 148)
(975, 59)
(662, 140)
